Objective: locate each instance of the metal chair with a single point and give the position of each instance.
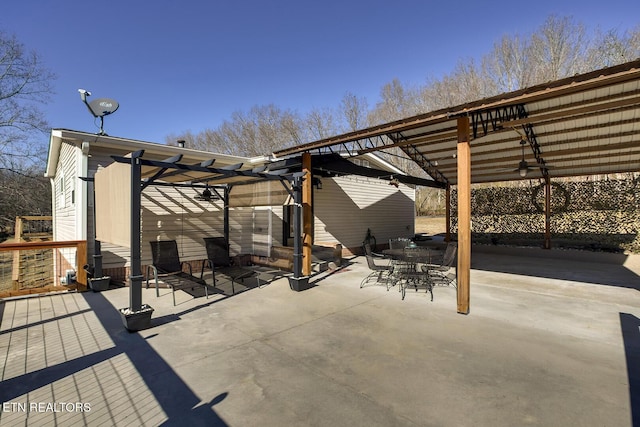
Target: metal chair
(409, 275)
(166, 265)
(219, 261)
(442, 273)
(380, 273)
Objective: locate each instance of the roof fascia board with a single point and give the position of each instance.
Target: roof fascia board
(106, 141)
(55, 142)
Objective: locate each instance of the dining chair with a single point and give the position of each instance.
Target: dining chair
(380, 273)
(444, 273)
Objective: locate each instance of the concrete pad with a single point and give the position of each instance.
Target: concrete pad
(558, 349)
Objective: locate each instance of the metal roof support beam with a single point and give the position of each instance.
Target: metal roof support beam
(535, 147)
(486, 121)
(426, 165)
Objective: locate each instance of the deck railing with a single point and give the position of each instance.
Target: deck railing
(34, 269)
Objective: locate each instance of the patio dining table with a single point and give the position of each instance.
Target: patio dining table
(410, 268)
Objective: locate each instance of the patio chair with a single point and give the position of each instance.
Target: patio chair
(444, 273)
(380, 273)
(408, 274)
(219, 261)
(166, 265)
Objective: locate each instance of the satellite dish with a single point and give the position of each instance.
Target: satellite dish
(103, 106)
(99, 107)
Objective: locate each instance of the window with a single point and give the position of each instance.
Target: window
(61, 192)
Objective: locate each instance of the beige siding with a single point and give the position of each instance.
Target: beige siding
(64, 181)
(347, 206)
(173, 214)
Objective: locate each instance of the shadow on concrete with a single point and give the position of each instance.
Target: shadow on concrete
(316, 278)
(579, 266)
(630, 326)
(177, 400)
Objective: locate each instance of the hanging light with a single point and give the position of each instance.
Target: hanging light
(523, 168)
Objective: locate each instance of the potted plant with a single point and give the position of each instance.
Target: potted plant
(136, 320)
(98, 284)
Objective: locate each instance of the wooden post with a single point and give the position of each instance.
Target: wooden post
(547, 212)
(307, 219)
(464, 215)
(447, 236)
(81, 261)
(15, 271)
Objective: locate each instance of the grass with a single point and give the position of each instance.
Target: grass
(431, 225)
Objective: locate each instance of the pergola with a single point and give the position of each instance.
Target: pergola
(587, 124)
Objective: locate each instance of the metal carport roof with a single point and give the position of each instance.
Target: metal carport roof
(582, 125)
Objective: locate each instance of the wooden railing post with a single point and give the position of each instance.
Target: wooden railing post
(81, 261)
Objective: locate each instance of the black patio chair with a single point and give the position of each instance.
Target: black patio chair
(219, 261)
(380, 273)
(408, 274)
(167, 267)
(444, 273)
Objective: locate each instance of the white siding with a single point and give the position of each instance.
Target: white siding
(65, 221)
(347, 206)
(64, 182)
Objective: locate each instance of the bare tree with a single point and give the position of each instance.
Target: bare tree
(510, 64)
(610, 49)
(319, 124)
(466, 83)
(354, 111)
(258, 132)
(25, 84)
(397, 102)
(558, 49)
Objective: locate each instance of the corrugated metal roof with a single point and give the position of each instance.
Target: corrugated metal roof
(584, 125)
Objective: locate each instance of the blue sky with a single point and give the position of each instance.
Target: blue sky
(188, 65)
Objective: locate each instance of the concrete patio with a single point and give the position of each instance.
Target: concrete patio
(549, 341)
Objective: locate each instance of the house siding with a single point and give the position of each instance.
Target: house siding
(64, 186)
(173, 214)
(347, 206)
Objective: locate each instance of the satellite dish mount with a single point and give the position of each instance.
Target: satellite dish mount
(99, 107)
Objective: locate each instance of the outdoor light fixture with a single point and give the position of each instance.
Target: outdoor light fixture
(523, 168)
(317, 183)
